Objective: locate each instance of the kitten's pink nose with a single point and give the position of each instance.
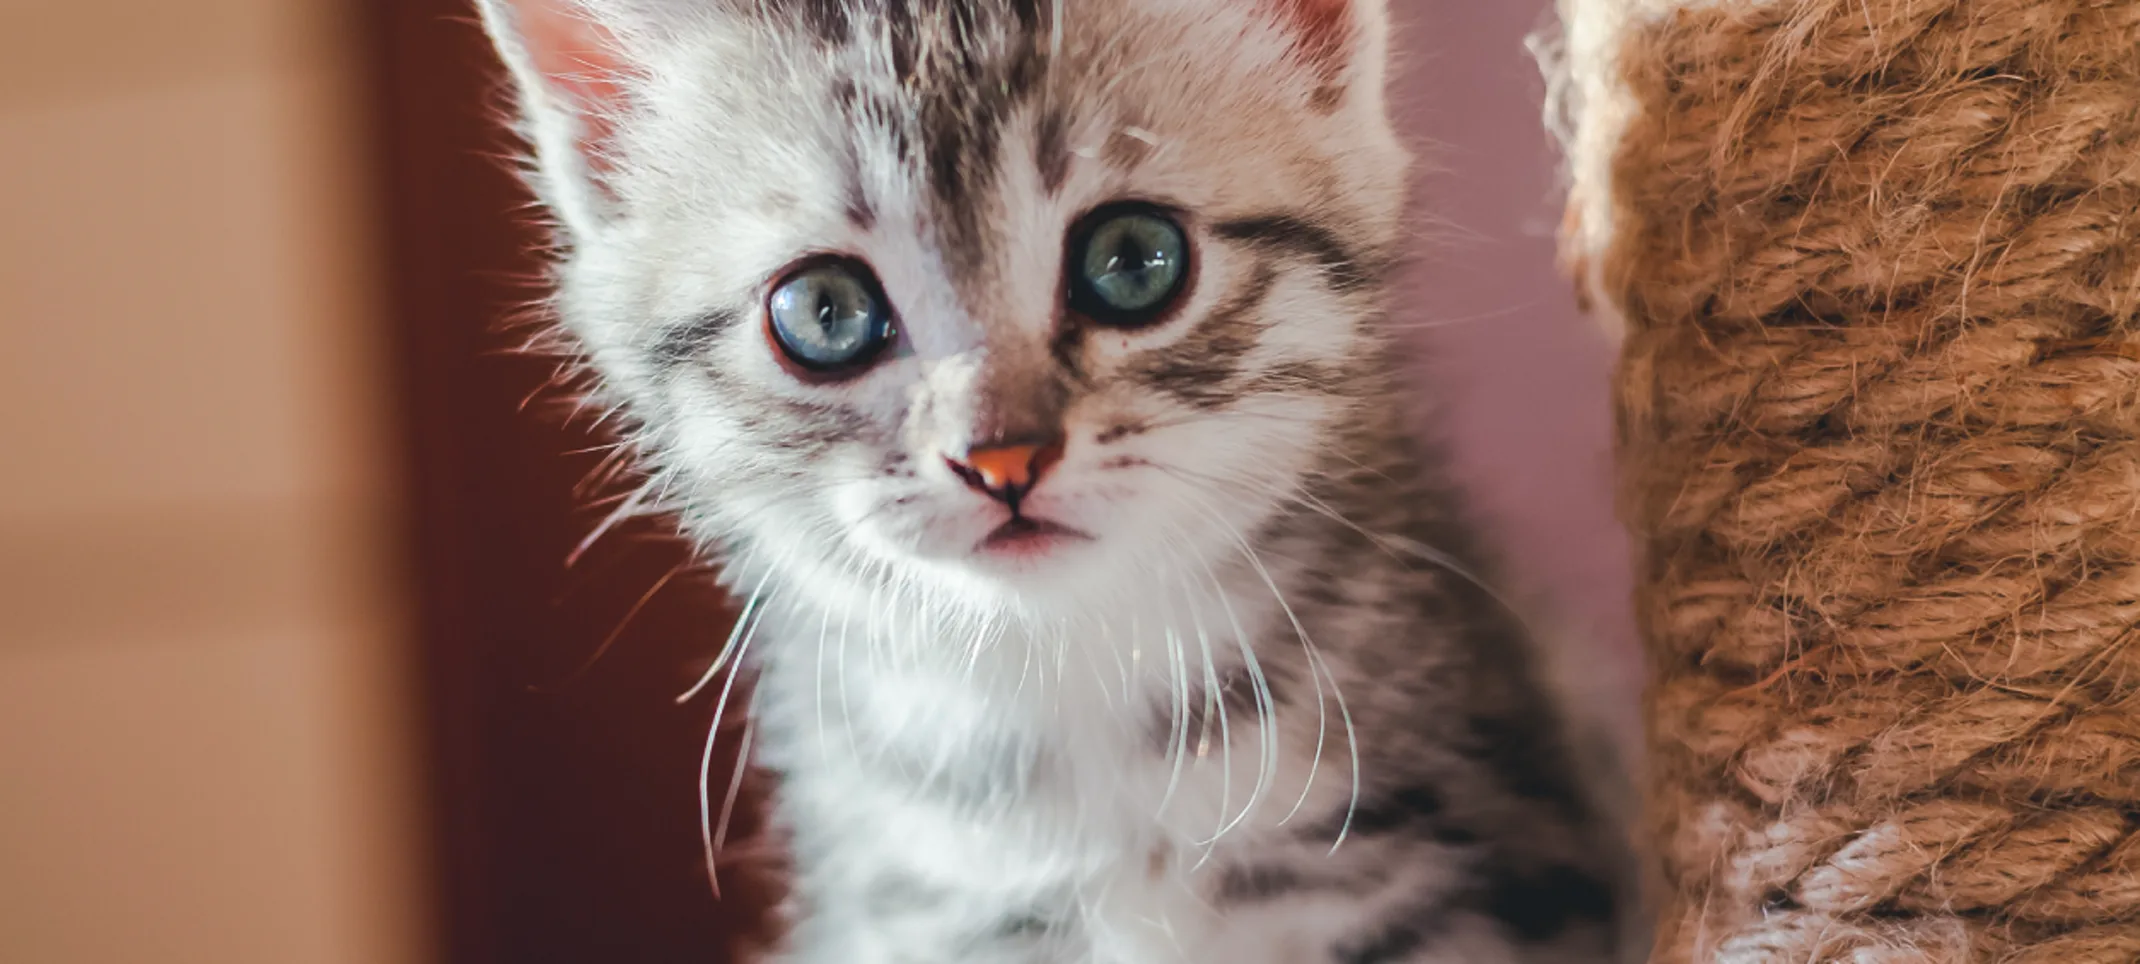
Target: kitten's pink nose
(1008, 472)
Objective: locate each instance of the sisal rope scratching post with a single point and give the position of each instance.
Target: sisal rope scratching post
(1877, 263)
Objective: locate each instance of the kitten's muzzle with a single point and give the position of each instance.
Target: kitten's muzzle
(1008, 472)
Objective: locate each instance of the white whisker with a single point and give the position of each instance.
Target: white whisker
(738, 639)
(708, 834)
(1316, 666)
(1266, 709)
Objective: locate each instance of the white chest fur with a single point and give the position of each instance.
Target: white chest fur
(1028, 803)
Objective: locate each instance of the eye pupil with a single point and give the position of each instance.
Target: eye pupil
(1129, 266)
(831, 317)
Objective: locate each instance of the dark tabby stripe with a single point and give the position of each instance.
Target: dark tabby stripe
(827, 20)
(1251, 883)
(1199, 369)
(1125, 150)
(1417, 811)
(1524, 754)
(967, 66)
(1414, 807)
(1327, 98)
(861, 212)
(1120, 431)
(1051, 148)
(1022, 927)
(679, 344)
(876, 113)
(1540, 906)
(1298, 378)
(1015, 932)
(1255, 883)
(1398, 939)
(1068, 349)
(966, 93)
(1292, 236)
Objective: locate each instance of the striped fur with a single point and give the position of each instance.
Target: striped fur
(1267, 714)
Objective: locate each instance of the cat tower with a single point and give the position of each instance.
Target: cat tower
(1877, 268)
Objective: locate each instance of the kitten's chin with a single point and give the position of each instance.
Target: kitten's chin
(1025, 563)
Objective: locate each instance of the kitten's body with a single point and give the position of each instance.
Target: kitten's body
(1262, 714)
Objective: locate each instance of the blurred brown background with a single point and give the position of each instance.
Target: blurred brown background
(293, 669)
(205, 696)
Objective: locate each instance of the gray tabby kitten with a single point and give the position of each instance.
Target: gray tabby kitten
(1024, 361)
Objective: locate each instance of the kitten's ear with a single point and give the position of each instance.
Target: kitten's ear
(1344, 40)
(569, 70)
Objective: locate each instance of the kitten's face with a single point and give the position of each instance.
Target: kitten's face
(1015, 306)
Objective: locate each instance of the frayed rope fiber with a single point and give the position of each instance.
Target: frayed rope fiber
(1879, 262)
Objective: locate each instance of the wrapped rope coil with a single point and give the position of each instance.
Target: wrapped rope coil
(1877, 265)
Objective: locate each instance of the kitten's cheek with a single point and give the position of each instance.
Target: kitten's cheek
(944, 539)
(901, 530)
(871, 521)
(851, 505)
(918, 538)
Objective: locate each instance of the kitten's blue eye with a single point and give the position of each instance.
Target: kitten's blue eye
(1128, 266)
(831, 317)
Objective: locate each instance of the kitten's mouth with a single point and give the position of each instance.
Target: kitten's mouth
(1022, 536)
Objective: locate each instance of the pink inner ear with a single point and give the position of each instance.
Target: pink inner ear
(1325, 26)
(577, 57)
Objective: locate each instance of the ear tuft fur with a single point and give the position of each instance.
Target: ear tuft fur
(1343, 41)
(569, 71)
(1325, 27)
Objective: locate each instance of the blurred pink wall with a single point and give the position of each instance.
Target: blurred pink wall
(1520, 376)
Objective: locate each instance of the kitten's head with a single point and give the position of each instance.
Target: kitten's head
(1025, 304)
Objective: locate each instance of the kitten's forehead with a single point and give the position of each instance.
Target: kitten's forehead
(936, 104)
(939, 79)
